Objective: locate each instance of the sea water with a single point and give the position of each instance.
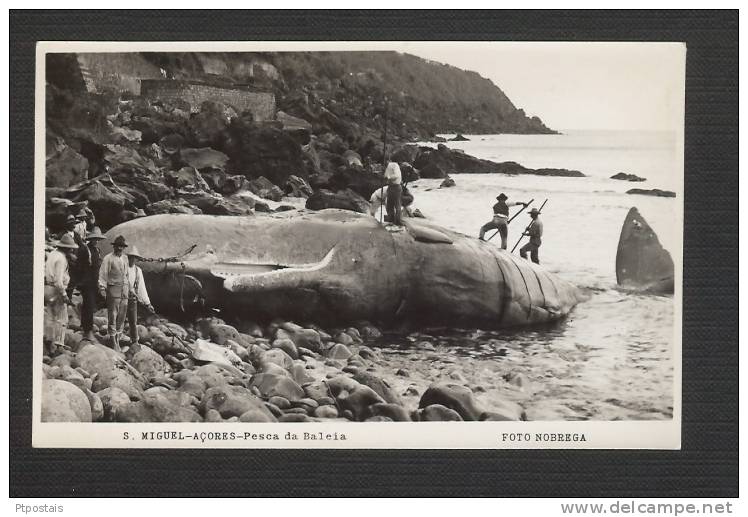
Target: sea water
(612, 358)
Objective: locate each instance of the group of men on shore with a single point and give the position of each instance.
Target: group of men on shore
(500, 223)
(74, 262)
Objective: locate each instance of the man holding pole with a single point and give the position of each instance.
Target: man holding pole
(535, 232)
(500, 218)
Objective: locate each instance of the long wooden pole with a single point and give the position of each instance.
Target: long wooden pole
(384, 164)
(528, 227)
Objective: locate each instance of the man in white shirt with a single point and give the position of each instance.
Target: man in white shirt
(138, 293)
(394, 178)
(56, 280)
(114, 285)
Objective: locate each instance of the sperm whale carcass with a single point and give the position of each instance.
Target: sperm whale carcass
(642, 264)
(337, 265)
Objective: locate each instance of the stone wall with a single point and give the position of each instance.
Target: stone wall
(261, 104)
(119, 71)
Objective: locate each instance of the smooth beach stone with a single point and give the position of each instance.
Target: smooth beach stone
(219, 334)
(326, 411)
(274, 369)
(231, 401)
(279, 357)
(255, 415)
(402, 372)
(270, 385)
(338, 351)
(275, 410)
(150, 364)
(306, 403)
(455, 397)
(325, 401)
(438, 413)
(191, 383)
(381, 386)
(64, 402)
(316, 391)
(156, 408)
(300, 375)
(294, 417)
(112, 399)
(394, 412)
(295, 411)
(350, 369)
(378, 418)
(287, 346)
(280, 402)
(344, 338)
(213, 416)
(301, 337)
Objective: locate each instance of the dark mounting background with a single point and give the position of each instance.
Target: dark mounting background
(706, 466)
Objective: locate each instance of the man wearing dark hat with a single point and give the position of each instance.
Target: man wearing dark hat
(500, 219)
(114, 285)
(56, 300)
(89, 263)
(535, 232)
(138, 293)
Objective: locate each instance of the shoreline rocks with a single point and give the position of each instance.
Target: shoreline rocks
(627, 177)
(651, 192)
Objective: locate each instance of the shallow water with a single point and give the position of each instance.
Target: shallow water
(612, 357)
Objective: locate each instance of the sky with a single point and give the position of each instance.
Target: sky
(614, 86)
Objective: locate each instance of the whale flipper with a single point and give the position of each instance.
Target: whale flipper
(641, 261)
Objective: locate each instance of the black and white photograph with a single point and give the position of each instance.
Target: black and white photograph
(359, 244)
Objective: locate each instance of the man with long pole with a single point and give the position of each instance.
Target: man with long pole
(535, 231)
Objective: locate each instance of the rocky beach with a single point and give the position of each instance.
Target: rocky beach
(126, 157)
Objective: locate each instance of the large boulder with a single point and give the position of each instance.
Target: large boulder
(353, 396)
(224, 183)
(297, 187)
(271, 385)
(256, 150)
(381, 386)
(455, 397)
(169, 406)
(65, 167)
(264, 188)
(106, 204)
(346, 199)
(112, 399)
(216, 204)
(208, 126)
(232, 401)
(150, 364)
(62, 401)
(110, 370)
(203, 158)
(186, 177)
(172, 206)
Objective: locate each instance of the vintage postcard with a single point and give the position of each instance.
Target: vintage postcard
(358, 245)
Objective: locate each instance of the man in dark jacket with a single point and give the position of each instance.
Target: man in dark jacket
(500, 219)
(89, 262)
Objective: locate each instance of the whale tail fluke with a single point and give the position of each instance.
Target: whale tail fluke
(642, 263)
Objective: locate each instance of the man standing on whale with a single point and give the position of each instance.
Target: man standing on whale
(535, 232)
(500, 219)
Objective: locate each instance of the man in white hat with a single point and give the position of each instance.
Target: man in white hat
(56, 300)
(114, 285)
(138, 293)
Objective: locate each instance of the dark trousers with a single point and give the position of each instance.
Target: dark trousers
(533, 249)
(88, 307)
(395, 204)
(132, 318)
(503, 231)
